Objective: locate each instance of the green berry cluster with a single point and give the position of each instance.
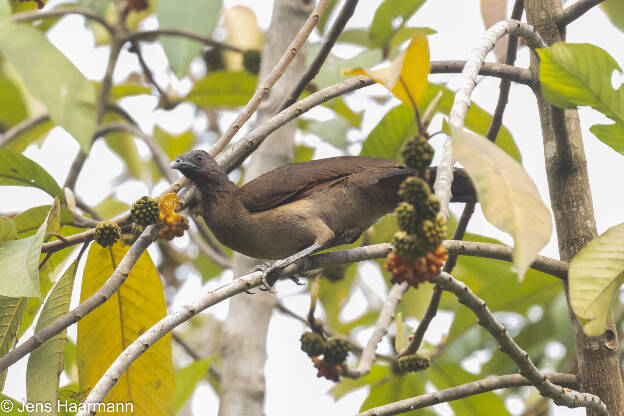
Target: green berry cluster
(145, 211)
(106, 233)
(312, 343)
(417, 153)
(334, 350)
(411, 363)
(422, 229)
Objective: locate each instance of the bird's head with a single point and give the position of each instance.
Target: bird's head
(197, 165)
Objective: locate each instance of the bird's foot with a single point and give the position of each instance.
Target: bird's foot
(270, 274)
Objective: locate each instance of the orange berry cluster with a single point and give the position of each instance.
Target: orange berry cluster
(172, 224)
(331, 372)
(418, 270)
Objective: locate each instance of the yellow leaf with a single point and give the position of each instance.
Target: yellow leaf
(406, 76)
(109, 329)
(243, 32)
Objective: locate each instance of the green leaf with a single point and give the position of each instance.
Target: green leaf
(580, 74)
(331, 71)
(494, 282)
(393, 388)
(507, 194)
(174, 144)
(399, 124)
(386, 139)
(14, 410)
(7, 229)
(66, 93)
(18, 170)
(356, 36)
(187, 378)
(223, 89)
(30, 220)
(19, 260)
(35, 134)
(405, 34)
(122, 143)
(595, 276)
(613, 9)
(390, 16)
(341, 108)
(11, 313)
(333, 131)
(46, 363)
(13, 108)
(196, 16)
(334, 295)
(129, 89)
(303, 153)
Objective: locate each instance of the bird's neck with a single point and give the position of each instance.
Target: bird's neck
(215, 187)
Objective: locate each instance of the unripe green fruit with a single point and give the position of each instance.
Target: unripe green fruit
(414, 190)
(431, 207)
(407, 245)
(407, 217)
(312, 343)
(417, 153)
(411, 363)
(145, 211)
(434, 232)
(336, 350)
(106, 233)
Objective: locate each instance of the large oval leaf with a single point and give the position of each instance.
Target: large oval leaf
(17, 169)
(66, 93)
(197, 16)
(595, 276)
(388, 14)
(105, 332)
(580, 74)
(223, 89)
(509, 197)
(46, 363)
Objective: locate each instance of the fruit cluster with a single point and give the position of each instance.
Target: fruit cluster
(335, 350)
(145, 211)
(418, 254)
(411, 363)
(417, 153)
(107, 233)
(172, 224)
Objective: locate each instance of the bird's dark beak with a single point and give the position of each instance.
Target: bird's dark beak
(181, 163)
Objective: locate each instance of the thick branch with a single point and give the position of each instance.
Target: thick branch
(574, 11)
(465, 390)
(486, 319)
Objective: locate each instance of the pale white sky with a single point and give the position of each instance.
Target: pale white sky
(459, 28)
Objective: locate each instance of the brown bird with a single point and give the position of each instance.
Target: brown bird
(296, 209)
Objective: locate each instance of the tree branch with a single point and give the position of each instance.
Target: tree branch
(151, 35)
(386, 316)
(271, 79)
(465, 390)
(507, 345)
(332, 36)
(102, 295)
(33, 15)
(473, 65)
(22, 127)
(504, 71)
(574, 11)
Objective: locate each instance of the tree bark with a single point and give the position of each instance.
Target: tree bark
(570, 196)
(244, 340)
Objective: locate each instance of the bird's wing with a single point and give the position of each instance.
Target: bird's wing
(295, 181)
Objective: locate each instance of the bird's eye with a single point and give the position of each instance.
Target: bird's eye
(198, 158)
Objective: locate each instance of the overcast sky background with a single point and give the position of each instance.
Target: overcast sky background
(292, 386)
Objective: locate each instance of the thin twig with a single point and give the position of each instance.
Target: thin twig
(423, 325)
(22, 127)
(330, 40)
(146, 70)
(151, 35)
(32, 15)
(444, 176)
(507, 345)
(102, 295)
(271, 79)
(45, 260)
(513, 73)
(386, 316)
(193, 354)
(466, 390)
(574, 11)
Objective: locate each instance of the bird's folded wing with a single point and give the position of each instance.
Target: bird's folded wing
(295, 181)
